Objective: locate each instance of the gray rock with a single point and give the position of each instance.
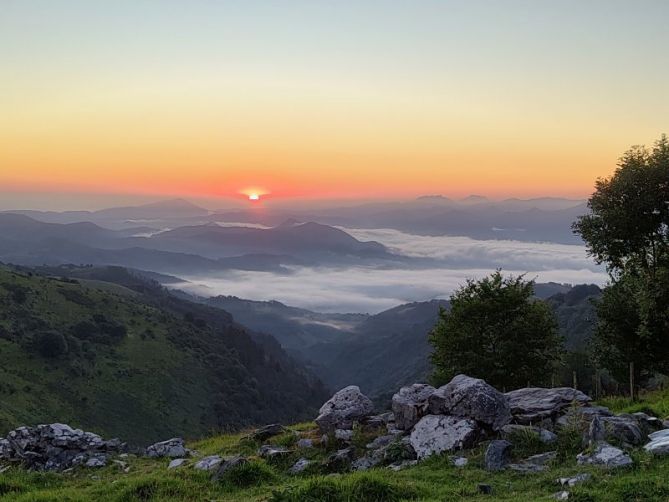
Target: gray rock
(497, 455)
(226, 465)
(343, 435)
(647, 423)
(541, 458)
(410, 404)
(563, 495)
(575, 480)
(339, 460)
(305, 443)
(343, 409)
(5, 449)
(366, 462)
(270, 452)
(96, 460)
(459, 461)
(172, 448)
(596, 431)
(582, 415)
(381, 420)
(622, 429)
(267, 431)
(524, 468)
(659, 443)
(381, 442)
(532, 404)
(471, 398)
(399, 466)
(435, 434)
(208, 463)
(177, 462)
(300, 466)
(544, 435)
(605, 455)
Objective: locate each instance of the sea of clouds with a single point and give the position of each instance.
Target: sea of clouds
(452, 260)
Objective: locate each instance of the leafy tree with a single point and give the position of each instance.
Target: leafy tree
(497, 331)
(51, 344)
(628, 230)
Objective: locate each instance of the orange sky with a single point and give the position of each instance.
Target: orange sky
(309, 102)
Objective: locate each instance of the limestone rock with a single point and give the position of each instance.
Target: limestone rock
(605, 455)
(459, 461)
(270, 452)
(208, 463)
(343, 409)
(225, 465)
(544, 435)
(471, 398)
(575, 480)
(172, 448)
(497, 455)
(410, 404)
(435, 434)
(305, 443)
(299, 466)
(659, 443)
(532, 404)
(177, 462)
(267, 431)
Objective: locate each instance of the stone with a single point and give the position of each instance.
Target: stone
(97, 460)
(343, 435)
(300, 466)
(381, 442)
(623, 430)
(659, 443)
(411, 404)
(347, 406)
(471, 398)
(399, 466)
(208, 463)
(378, 421)
(544, 435)
(563, 495)
(541, 458)
(305, 443)
(225, 465)
(435, 434)
(270, 452)
(532, 404)
(524, 468)
(497, 455)
(172, 448)
(596, 431)
(647, 423)
(575, 480)
(535, 463)
(459, 461)
(366, 462)
(339, 460)
(605, 455)
(267, 431)
(484, 489)
(177, 462)
(582, 415)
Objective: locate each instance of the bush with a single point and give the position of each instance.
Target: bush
(50, 344)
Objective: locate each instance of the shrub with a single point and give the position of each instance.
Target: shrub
(50, 344)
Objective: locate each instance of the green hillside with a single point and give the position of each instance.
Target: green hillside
(128, 360)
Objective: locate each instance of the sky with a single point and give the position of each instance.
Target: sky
(322, 99)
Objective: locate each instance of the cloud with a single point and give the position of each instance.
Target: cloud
(452, 260)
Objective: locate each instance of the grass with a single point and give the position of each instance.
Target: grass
(654, 403)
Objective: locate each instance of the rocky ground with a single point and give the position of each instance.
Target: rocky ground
(465, 440)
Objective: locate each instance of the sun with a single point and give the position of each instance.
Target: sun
(254, 196)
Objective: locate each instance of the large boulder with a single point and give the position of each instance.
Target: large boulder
(435, 434)
(171, 448)
(267, 431)
(343, 409)
(411, 404)
(659, 443)
(605, 455)
(497, 455)
(532, 404)
(471, 398)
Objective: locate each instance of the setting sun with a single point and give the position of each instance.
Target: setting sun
(254, 196)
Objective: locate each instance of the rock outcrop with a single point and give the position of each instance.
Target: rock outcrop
(472, 398)
(531, 405)
(172, 448)
(605, 455)
(435, 434)
(410, 404)
(347, 406)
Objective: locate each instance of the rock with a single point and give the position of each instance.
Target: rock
(305, 443)
(541, 458)
(411, 404)
(596, 431)
(270, 452)
(435, 434)
(339, 460)
(267, 431)
(659, 443)
(497, 455)
(172, 448)
(459, 461)
(343, 409)
(97, 460)
(343, 435)
(381, 442)
(177, 462)
(605, 455)
(582, 415)
(563, 495)
(398, 466)
(366, 462)
(544, 435)
(532, 404)
(575, 480)
(471, 398)
(378, 421)
(299, 466)
(208, 463)
(225, 466)
(56, 447)
(484, 489)
(647, 423)
(524, 468)
(121, 464)
(623, 430)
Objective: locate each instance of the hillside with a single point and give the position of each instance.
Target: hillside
(115, 353)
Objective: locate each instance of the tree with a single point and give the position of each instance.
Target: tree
(51, 344)
(628, 230)
(496, 330)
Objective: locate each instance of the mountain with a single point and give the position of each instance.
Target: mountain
(112, 351)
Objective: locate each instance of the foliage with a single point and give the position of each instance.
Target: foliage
(495, 330)
(252, 473)
(50, 344)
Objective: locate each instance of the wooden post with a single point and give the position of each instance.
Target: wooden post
(632, 393)
(575, 381)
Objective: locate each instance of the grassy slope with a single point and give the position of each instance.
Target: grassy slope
(435, 480)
